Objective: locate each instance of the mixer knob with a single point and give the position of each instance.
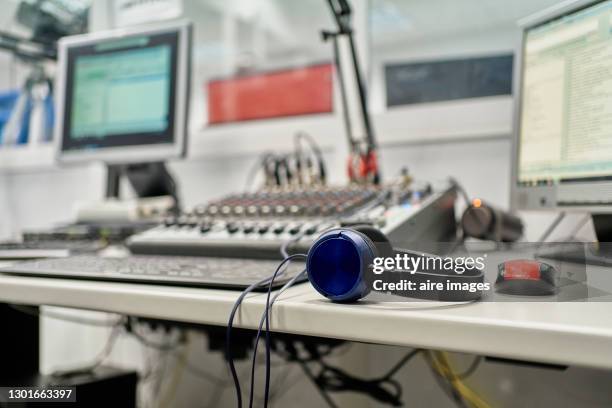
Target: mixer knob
(295, 229)
(279, 229)
(199, 210)
(311, 229)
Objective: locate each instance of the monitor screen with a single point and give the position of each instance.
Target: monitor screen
(122, 91)
(565, 124)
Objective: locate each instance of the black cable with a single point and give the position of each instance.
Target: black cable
(284, 163)
(316, 150)
(276, 171)
(267, 319)
(335, 379)
(471, 369)
(285, 246)
(267, 314)
(261, 322)
(398, 366)
(228, 337)
(461, 191)
(260, 163)
(151, 344)
(318, 386)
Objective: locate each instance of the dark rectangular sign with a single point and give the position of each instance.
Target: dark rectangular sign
(434, 81)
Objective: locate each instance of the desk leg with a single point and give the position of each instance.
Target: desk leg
(19, 346)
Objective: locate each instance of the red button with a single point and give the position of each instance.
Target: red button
(522, 269)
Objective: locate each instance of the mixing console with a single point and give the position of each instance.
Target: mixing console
(257, 224)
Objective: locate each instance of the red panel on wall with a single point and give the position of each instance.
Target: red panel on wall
(275, 94)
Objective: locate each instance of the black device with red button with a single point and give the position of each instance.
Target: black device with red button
(526, 277)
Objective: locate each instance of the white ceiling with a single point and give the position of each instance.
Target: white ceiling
(295, 24)
(413, 20)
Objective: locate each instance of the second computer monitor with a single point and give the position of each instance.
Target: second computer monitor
(123, 95)
(563, 155)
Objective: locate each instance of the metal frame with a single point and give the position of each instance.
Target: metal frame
(551, 192)
(140, 153)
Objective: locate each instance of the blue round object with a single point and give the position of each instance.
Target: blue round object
(336, 265)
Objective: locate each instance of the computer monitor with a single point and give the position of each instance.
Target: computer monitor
(122, 98)
(563, 123)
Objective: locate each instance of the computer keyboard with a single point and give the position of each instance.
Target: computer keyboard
(48, 248)
(169, 270)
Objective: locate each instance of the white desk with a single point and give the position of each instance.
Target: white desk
(577, 333)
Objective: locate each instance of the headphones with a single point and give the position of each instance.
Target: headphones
(340, 267)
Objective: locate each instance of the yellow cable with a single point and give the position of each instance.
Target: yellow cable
(440, 362)
(471, 396)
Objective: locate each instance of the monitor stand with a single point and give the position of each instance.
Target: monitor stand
(147, 180)
(592, 253)
(113, 219)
